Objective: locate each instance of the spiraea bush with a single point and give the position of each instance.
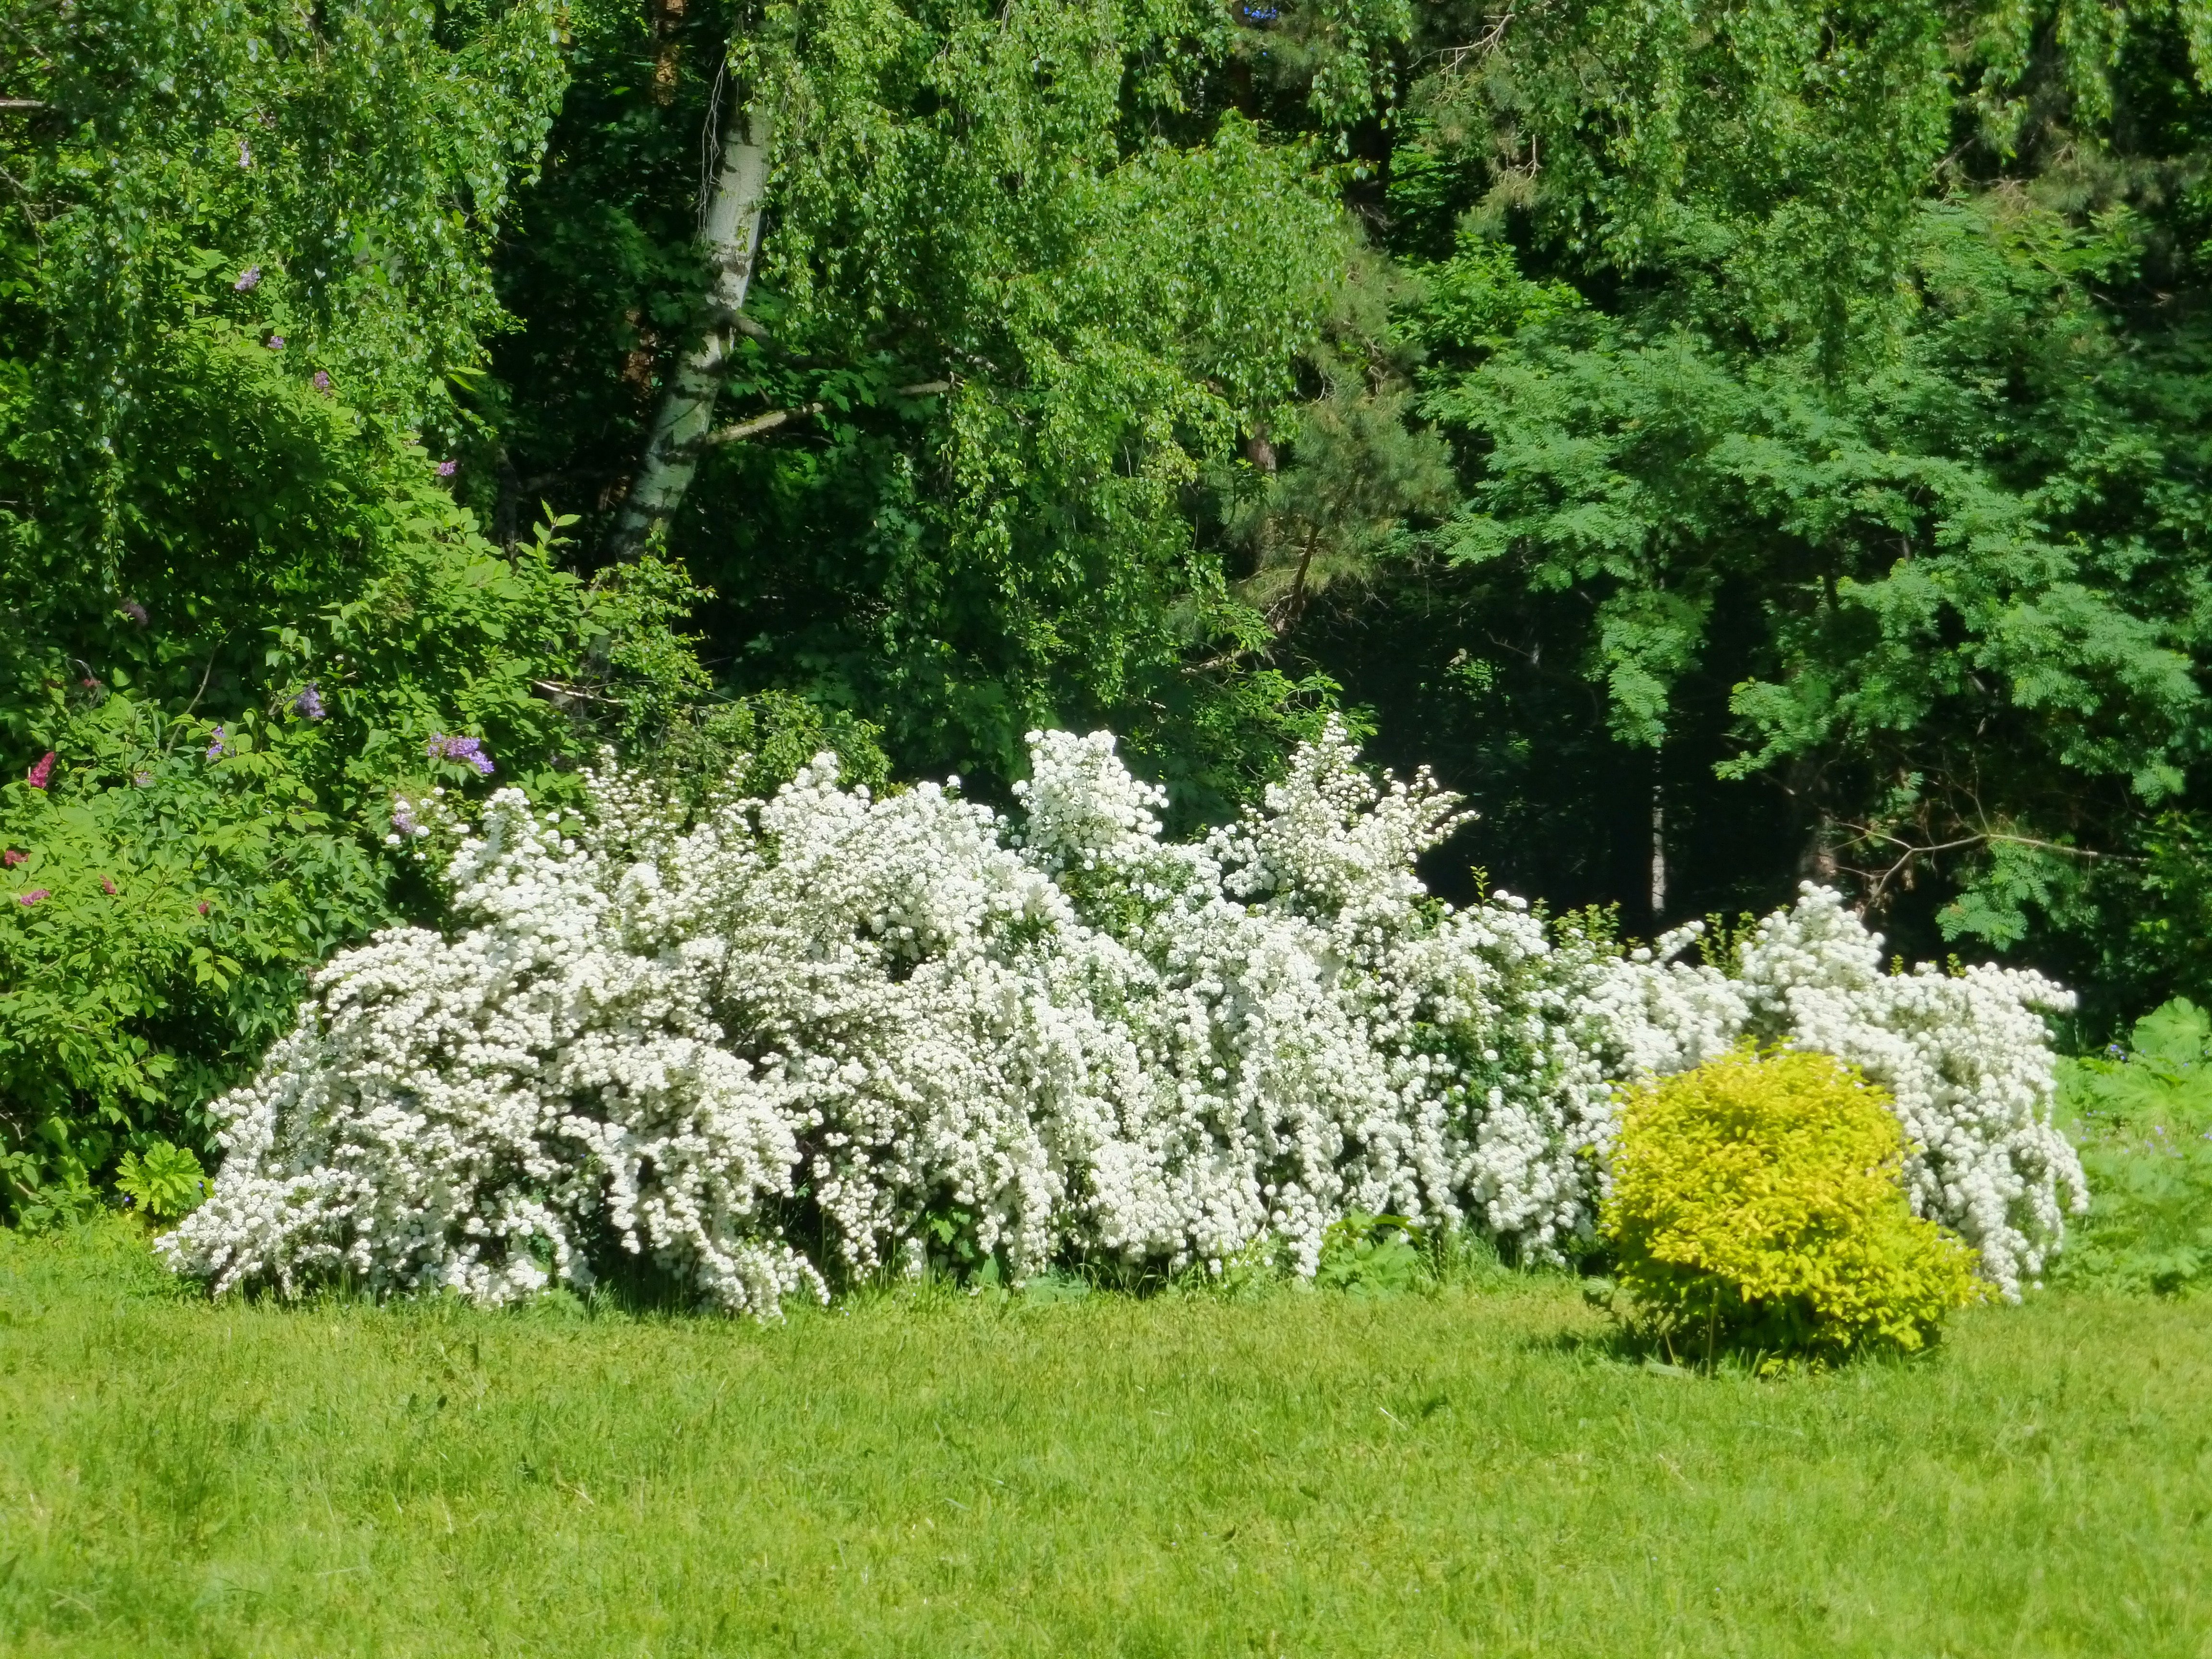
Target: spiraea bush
(770, 1045)
(1757, 1204)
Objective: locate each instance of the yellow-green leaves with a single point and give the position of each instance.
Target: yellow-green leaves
(1756, 1204)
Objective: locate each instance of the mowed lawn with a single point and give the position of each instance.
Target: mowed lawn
(1471, 1472)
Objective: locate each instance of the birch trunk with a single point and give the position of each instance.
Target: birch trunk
(731, 237)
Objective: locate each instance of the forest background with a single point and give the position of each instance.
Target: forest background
(1730, 442)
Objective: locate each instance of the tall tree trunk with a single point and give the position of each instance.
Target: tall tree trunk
(731, 237)
(1658, 847)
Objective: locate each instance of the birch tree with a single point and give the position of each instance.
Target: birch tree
(729, 234)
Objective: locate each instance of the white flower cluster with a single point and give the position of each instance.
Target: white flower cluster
(777, 1041)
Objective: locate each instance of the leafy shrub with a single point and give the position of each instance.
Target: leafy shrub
(2143, 1118)
(1371, 1255)
(1756, 1204)
(171, 877)
(756, 744)
(1963, 1055)
(768, 1044)
(244, 274)
(157, 917)
(166, 1182)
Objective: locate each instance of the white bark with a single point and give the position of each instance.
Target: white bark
(731, 238)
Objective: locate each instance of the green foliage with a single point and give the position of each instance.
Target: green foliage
(1325, 500)
(1854, 588)
(1757, 1205)
(243, 270)
(355, 156)
(1046, 213)
(164, 1183)
(775, 733)
(194, 869)
(1825, 389)
(1375, 1255)
(1912, 533)
(2141, 1117)
(1735, 442)
(1771, 154)
(162, 910)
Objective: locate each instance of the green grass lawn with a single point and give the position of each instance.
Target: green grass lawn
(1471, 1472)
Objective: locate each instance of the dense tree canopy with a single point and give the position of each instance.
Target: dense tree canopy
(1832, 438)
(1730, 440)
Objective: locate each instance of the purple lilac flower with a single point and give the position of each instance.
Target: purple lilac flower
(274, 343)
(142, 778)
(135, 610)
(403, 818)
(446, 468)
(216, 747)
(248, 280)
(34, 895)
(322, 382)
(309, 703)
(36, 776)
(471, 749)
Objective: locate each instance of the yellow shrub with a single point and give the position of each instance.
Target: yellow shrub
(1757, 1205)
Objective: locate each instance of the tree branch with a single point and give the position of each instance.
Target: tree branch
(1878, 880)
(759, 423)
(553, 689)
(1453, 56)
(775, 418)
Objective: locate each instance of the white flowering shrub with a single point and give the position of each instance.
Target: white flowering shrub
(775, 1044)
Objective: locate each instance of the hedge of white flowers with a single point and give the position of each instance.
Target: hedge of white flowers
(769, 1045)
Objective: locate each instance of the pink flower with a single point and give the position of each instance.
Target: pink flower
(36, 776)
(33, 895)
(203, 907)
(107, 887)
(12, 858)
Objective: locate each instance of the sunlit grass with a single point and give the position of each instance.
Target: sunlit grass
(1470, 1472)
